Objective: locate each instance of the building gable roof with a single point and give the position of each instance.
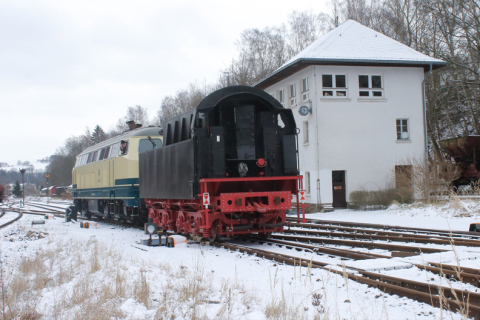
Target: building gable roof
(352, 44)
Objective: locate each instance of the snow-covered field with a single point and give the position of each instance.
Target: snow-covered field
(60, 271)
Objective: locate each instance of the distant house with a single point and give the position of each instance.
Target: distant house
(361, 98)
(52, 191)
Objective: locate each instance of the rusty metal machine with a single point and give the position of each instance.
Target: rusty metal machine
(466, 153)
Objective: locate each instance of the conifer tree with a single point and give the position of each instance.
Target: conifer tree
(98, 135)
(17, 191)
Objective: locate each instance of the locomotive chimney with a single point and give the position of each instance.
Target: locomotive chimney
(131, 125)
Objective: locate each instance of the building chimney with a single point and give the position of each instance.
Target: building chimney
(131, 125)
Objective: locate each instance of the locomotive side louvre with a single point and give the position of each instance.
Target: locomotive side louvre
(239, 145)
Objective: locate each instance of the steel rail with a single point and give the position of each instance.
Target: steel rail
(473, 279)
(389, 227)
(375, 232)
(447, 271)
(363, 244)
(49, 204)
(455, 268)
(46, 207)
(12, 221)
(470, 243)
(349, 254)
(390, 285)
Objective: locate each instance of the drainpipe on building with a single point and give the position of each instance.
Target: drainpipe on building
(316, 137)
(425, 125)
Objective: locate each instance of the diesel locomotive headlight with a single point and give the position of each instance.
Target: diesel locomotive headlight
(242, 169)
(150, 228)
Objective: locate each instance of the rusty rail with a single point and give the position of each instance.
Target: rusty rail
(378, 232)
(363, 244)
(471, 243)
(388, 227)
(10, 222)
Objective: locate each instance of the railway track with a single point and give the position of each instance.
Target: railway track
(465, 301)
(366, 227)
(386, 236)
(3, 212)
(323, 238)
(51, 208)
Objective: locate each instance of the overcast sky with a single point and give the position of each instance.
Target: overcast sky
(66, 65)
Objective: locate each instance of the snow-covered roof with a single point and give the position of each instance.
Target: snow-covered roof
(352, 44)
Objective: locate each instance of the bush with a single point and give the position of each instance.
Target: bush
(380, 199)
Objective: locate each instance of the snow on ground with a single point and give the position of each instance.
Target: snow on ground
(64, 272)
(457, 214)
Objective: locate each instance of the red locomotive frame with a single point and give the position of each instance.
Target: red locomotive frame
(261, 209)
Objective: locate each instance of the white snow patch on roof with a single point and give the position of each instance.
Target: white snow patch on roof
(353, 41)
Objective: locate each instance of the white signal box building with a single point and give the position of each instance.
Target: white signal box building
(357, 96)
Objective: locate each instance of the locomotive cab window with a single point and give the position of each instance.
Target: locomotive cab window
(123, 147)
(147, 145)
(90, 157)
(114, 150)
(95, 156)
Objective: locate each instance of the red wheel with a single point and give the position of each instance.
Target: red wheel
(214, 236)
(264, 236)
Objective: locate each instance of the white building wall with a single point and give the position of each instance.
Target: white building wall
(355, 134)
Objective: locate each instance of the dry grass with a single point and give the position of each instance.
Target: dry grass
(96, 280)
(141, 289)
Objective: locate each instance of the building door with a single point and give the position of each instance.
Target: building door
(338, 186)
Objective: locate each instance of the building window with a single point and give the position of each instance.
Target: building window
(293, 90)
(305, 85)
(370, 86)
(307, 183)
(402, 129)
(305, 89)
(281, 96)
(293, 94)
(305, 132)
(334, 85)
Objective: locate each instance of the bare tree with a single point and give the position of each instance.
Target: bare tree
(183, 101)
(137, 114)
(304, 28)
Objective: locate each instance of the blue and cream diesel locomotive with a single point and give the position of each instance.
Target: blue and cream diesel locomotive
(105, 176)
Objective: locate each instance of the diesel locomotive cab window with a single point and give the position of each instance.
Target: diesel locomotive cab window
(123, 147)
(114, 150)
(147, 145)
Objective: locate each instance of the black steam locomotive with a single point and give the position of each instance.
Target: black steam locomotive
(228, 167)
